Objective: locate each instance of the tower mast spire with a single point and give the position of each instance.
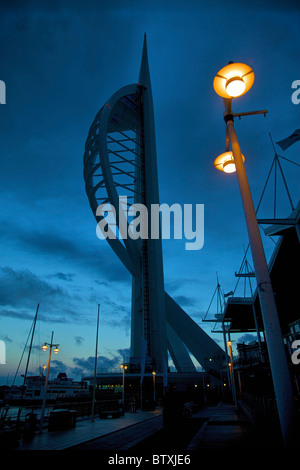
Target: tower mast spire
(144, 77)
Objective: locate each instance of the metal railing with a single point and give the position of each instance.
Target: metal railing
(263, 408)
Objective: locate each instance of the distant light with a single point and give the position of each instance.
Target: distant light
(235, 86)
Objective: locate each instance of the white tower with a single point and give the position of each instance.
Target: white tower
(120, 161)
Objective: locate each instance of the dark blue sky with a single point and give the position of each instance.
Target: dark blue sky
(61, 60)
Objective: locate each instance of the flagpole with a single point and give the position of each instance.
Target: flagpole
(95, 371)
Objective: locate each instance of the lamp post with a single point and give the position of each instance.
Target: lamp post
(124, 367)
(229, 343)
(232, 81)
(154, 374)
(55, 350)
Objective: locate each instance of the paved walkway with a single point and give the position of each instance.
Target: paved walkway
(222, 427)
(126, 438)
(225, 428)
(86, 431)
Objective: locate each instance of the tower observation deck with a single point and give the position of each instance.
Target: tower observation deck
(120, 169)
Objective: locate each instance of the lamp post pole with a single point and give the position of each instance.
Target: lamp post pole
(277, 355)
(123, 366)
(154, 374)
(232, 374)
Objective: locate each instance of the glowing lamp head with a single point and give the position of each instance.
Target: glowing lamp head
(229, 166)
(233, 80)
(44, 347)
(225, 162)
(56, 350)
(235, 86)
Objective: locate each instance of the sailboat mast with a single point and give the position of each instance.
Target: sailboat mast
(26, 370)
(29, 353)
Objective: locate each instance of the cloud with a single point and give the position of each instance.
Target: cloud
(63, 276)
(87, 365)
(174, 285)
(119, 315)
(22, 290)
(104, 363)
(79, 340)
(185, 301)
(246, 338)
(23, 285)
(59, 366)
(101, 283)
(124, 353)
(51, 244)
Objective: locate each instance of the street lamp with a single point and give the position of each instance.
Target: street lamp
(154, 374)
(228, 76)
(55, 350)
(124, 367)
(225, 162)
(233, 80)
(229, 343)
